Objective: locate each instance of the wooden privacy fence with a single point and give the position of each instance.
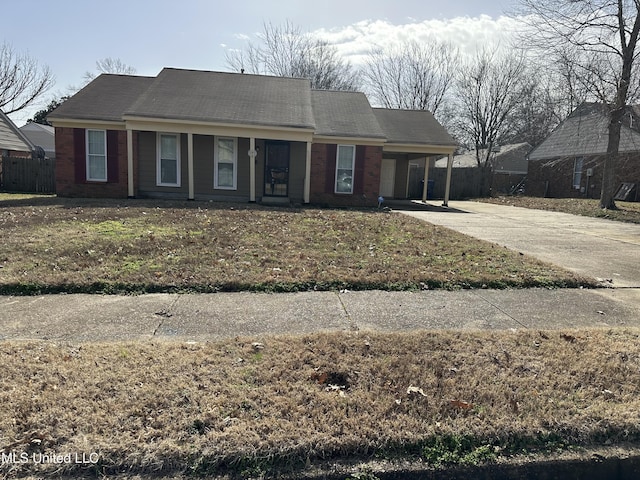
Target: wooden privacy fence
(472, 182)
(28, 175)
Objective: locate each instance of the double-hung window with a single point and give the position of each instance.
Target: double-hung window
(345, 161)
(96, 155)
(168, 164)
(577, 172)
(225, 168)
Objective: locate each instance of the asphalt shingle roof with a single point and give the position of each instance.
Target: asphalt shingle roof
(227, 98)
(242, 99)
(106, 98)
(346, 114)
(412, 127)
(584, 132)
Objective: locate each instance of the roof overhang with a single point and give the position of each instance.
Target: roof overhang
(81, 123)
(419, 148)
(334, 139)
(222, 129)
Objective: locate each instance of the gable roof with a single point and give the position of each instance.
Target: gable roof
(11, 138)
(106, 98)
(412, 127)
(42, 136)
(218, 97)
(344, 114)
(234, 100)
(584, 132)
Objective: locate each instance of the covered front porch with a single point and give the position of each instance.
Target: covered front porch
(216, 162)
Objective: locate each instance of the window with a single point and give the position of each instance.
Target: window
(97, 155)
(577, 172)
(225, 171)
(345, 161)
(168, 167)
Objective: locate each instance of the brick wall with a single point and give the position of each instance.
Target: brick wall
(70, 184)
(366, 176)
(554, 178)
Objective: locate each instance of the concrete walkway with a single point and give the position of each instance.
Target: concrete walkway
(597, 248)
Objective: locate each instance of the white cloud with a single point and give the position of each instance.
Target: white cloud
(355, 41)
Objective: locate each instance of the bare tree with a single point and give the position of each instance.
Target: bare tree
(22, 80)
(109, 65)
(414, 76)
(537, 112)
(603, 36)
(488, 91)
(286, 51)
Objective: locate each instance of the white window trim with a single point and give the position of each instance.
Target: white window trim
(86, 141)
(216, 159)
(577, 174)
(353, 166)
(158, 160)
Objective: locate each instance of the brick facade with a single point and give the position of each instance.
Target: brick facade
(554, 178)
(366, 176)
(69, 183)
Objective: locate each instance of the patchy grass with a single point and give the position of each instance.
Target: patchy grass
(286, 404)
(62, 245)
(626, 212)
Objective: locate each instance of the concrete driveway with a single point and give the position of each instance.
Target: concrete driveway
(599, 248)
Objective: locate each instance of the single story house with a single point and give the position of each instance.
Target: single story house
(42, 136)
(189, 134)
(569, 162)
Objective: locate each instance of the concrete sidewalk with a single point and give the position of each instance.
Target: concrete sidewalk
(199, 317)
(597, 248)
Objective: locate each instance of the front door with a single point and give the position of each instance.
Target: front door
(387, 177)
(276, 169)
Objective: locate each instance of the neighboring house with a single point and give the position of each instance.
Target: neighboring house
(189, 134)
(13, 143)
(42, 136)
(508, 165)
(569, 162)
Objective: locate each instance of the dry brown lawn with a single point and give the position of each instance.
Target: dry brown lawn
(285, 404)
(105, 246)
(626, 212)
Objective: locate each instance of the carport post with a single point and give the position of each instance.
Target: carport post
(307, 175)
(130, 184)
(252, 169)
(426, 179)
(447, 189)
(190, 166)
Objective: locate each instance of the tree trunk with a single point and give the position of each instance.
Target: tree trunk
(610, 161)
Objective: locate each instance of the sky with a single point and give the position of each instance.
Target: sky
(71, 35)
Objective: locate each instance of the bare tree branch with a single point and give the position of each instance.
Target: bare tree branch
(22, 80)
(109, 65)
(415, 76)
(284, 50)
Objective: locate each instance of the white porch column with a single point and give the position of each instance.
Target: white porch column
(307, 175)
(447, 189)
(426, 178)
(190, 166)
(130, 183)
(252, 169)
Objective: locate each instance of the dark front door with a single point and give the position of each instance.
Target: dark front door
(276, 171)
